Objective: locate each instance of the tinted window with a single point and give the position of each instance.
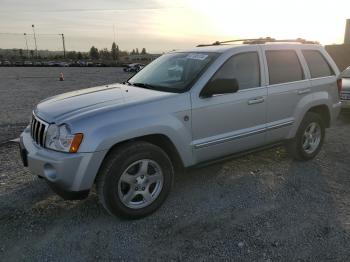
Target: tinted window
(317, 64)
(244, 68)
(284, 66)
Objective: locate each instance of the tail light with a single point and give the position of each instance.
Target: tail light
(340, 85)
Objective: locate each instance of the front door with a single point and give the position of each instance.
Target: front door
(228, 123)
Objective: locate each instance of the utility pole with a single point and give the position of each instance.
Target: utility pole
(36, 47)
(25, 37)
(114, 32)
(64, 46)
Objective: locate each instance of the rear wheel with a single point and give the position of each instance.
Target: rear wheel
(309, 138)
(135, 180)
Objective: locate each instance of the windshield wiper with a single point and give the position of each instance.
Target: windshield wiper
(127, 83)
(143, 85)
(152, 87)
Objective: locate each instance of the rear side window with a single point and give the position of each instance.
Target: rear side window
(245, 68)
(317, 64)
(284, 66)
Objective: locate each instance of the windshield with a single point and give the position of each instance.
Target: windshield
(172, 72)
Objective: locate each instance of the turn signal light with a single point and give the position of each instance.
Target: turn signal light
(76, 143)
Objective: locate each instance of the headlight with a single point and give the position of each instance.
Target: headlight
(60, 138)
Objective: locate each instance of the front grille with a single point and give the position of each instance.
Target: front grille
(38, 130)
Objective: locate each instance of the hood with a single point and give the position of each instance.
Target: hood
(78, 103)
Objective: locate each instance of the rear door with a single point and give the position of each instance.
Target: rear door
(287, 84)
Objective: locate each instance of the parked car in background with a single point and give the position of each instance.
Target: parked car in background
(18, 63)
(78, 63)
(345, 93)
(7, 63)
(28, 63)
(63, 64)
(135, 67)
(37, 63)
(130, 139)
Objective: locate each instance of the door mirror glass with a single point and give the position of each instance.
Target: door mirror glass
(220, 86)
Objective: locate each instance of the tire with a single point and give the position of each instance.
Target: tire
(298, 146)
(134, 180)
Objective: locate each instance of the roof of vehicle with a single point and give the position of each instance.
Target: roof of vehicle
(221, 47)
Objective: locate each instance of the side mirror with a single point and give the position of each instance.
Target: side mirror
(220, 86)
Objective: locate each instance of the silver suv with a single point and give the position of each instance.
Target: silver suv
(184, 109)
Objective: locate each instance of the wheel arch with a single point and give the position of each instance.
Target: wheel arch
(160, 140)
(323, 112)
(319, 107)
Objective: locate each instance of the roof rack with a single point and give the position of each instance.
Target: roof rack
(262, 41)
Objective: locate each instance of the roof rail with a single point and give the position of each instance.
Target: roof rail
(262, 41)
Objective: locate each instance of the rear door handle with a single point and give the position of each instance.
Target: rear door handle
(302, 92)
(256, 100)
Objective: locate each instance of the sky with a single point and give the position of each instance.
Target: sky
(161, 26)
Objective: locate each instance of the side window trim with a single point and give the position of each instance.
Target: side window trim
(304, 75)
(223, 64)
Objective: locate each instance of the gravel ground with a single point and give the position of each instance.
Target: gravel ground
(21, 88)
(261, 207)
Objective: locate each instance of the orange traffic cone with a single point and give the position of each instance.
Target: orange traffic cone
(61, 77)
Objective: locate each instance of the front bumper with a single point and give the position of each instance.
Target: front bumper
(71, 175)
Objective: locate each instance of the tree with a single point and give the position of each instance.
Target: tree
(143, 52)
(20, 51)
(132, 52)
(79, 56)
(72, 55)
(32, 54)
(94, 53)
(115, 51)
(104, 54)
(137, 51)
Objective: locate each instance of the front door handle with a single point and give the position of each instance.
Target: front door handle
(302, 92)
(256, 100)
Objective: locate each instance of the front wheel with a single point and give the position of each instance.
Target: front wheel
(309, 138)
(135, 180)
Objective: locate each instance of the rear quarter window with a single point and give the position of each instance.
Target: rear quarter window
(317, 64)
(284, 66)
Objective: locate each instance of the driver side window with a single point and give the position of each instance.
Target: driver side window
(244, 67)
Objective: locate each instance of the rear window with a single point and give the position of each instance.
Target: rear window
(317, 64)
(284, 66)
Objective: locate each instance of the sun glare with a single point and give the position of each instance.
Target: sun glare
(323, 21)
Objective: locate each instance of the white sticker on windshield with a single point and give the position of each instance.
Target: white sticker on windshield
(197, 56)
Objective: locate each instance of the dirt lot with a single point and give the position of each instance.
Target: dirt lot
(262, 207)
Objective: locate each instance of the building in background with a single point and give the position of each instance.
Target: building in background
(347, 33)
(341, 53)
